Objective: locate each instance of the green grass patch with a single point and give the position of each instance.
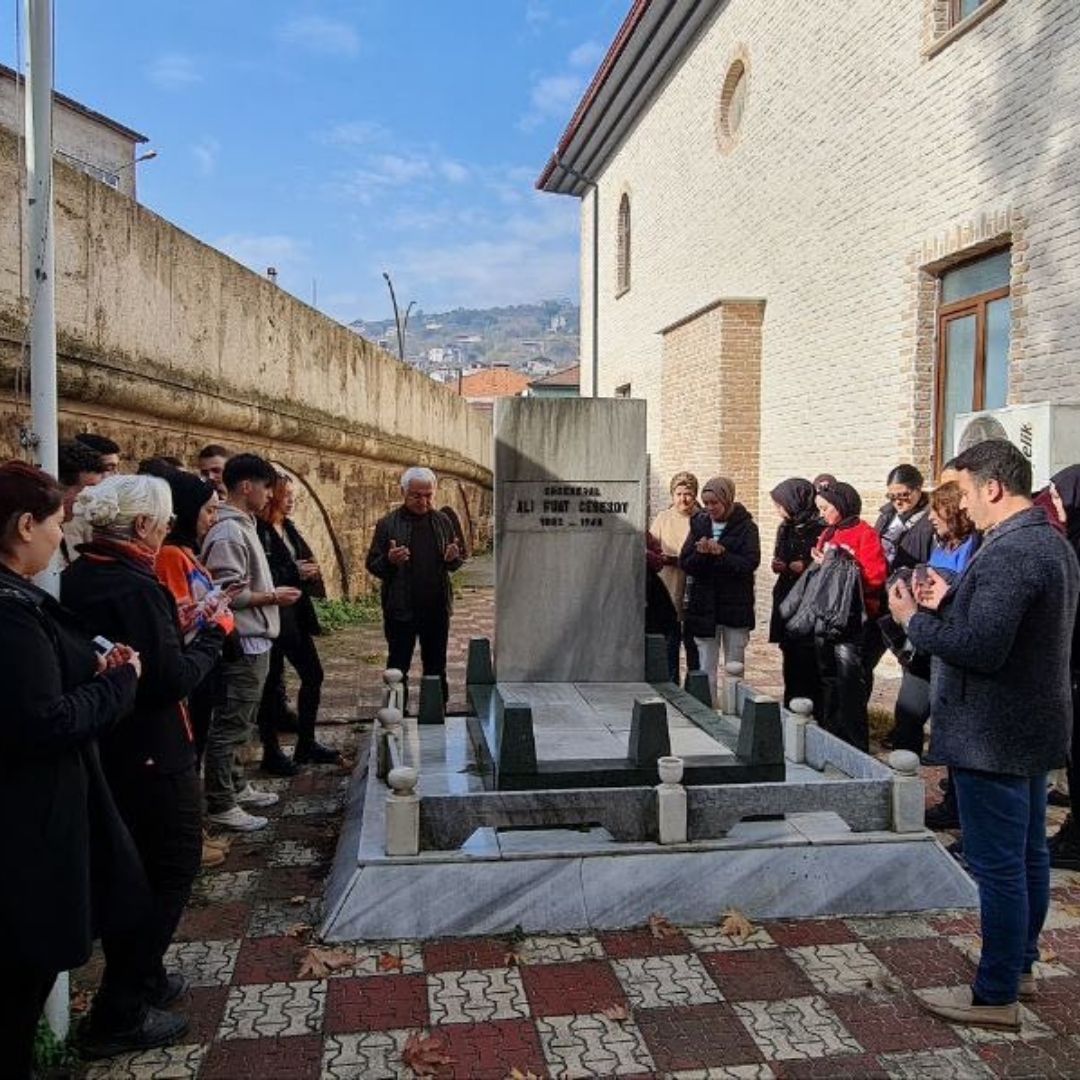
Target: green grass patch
(338, 614)
(51, 1055)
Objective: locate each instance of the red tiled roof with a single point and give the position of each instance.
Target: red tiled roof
(570, 376)
(496, 382)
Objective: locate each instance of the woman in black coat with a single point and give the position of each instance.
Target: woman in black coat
(292, 563)
(149, 757)
(797, 535)
(720, 555)
(69, 861)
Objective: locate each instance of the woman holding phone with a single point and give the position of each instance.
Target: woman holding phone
(58, 812)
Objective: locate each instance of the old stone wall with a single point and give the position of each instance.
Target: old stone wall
(166, 344)
(874, 150)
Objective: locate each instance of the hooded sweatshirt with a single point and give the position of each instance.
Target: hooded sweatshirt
(232, 552)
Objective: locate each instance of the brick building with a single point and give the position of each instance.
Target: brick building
(824, 227)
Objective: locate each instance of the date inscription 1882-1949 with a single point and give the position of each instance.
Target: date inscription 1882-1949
(571, 506)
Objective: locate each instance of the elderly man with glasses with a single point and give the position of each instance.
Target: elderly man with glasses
(413, 553)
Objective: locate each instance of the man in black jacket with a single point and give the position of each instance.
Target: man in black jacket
(413, 553)
(1002, 714)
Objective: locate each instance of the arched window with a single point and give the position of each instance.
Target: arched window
(622, 265)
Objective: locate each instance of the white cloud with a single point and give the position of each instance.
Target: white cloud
(537, 13)
(352, 133)
(174, 71)
(453, 171)
(318, 34)
(587, 55)
(390, 173)
(401, 169)
(552, 97)
(205, 153)
(283, 253)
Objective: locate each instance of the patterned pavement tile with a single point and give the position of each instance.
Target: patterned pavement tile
(656, 981)
(293, 853)
(205, 963)
(891, 926)
(271, 1010)
(226, 885)
(299, 1058)
(165, 1063)
(641, 942)
(960, 1063)
(891, 1023)
(284, 882)
(590, 1044)
(710, 939)
(462, 953)
(841, 1067)
(218, 922)
(560, 949)
(761, 975)
(274, 918)
(372, 1055)
(803, 1027)
(318, 782)
(921, 964)
(493, 1051)
(375, 1004)
(1047, 1057)
(1031, 1027)
(203, 1006)
(462, 997)
(810, 932)
(391, 958)
(971, 947)
(696, 1037)
(268, 959)
(326, 805)
(1057, 1003)
(725, 1072)
(562, 989)
(956, 922)
(838, 969)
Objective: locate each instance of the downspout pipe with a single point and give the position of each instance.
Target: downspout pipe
(595, 268)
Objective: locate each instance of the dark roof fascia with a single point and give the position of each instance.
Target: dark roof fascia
(653, 39)
(75, 106)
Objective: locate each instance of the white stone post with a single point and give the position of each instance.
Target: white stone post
(402, 813)
(671, 801)
(388, 722)
(393, 690)
(908, 793)
(730, 699)
(796, 721)
(410, 741)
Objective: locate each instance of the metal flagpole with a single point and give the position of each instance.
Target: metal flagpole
(44, 439)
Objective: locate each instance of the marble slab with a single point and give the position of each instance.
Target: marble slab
(570, 486)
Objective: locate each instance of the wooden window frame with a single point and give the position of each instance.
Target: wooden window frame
(970, 305)
(956, 12)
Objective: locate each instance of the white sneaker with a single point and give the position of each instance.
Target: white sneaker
(238, 819)
(249, 796)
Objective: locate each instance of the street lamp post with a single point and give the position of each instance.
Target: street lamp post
(399, 322)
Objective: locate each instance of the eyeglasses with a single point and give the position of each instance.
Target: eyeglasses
(900, 496)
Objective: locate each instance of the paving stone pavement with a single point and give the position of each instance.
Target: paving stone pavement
(805, 998)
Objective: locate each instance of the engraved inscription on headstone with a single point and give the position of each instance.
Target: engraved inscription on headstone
(569, 540)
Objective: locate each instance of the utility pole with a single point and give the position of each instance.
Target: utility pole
(43, 439)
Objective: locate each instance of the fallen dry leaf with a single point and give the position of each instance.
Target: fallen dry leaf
(389, 962)
(298, 900)
(1072, 910)
(660, 926)
(736, 925)
(318, 963)
(517, 1074)
(1048, 956)
(299, 930)
(882, 980)
(424, 1054)
(616, 1012)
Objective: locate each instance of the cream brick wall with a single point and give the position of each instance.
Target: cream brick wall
(861, 164)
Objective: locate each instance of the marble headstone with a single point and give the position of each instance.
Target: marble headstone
(570, 540)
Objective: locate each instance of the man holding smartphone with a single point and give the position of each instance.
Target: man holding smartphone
(1001, 708)
(413, 553)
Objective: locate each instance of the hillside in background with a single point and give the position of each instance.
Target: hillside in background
(534, 338)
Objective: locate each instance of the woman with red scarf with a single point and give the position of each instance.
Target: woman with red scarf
(149, 756)
(844, 679)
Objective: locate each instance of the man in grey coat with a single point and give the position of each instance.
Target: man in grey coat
(1001, 710)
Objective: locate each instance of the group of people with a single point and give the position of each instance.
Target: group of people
(974, 587)
(183, 593)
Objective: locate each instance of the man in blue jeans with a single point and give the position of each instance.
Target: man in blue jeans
(1001, 715)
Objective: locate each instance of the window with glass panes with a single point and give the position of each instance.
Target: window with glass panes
(961, 9)
(973, 343)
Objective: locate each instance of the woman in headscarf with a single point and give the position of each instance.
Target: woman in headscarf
(798, 532)
(1065, 844)
(845, 690)
(720, 555)
(671, 527)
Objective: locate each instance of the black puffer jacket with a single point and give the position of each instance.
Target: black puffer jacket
(284, 571)
(721, 587)
(915, 543)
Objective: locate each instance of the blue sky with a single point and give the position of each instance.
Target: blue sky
(334, 140)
